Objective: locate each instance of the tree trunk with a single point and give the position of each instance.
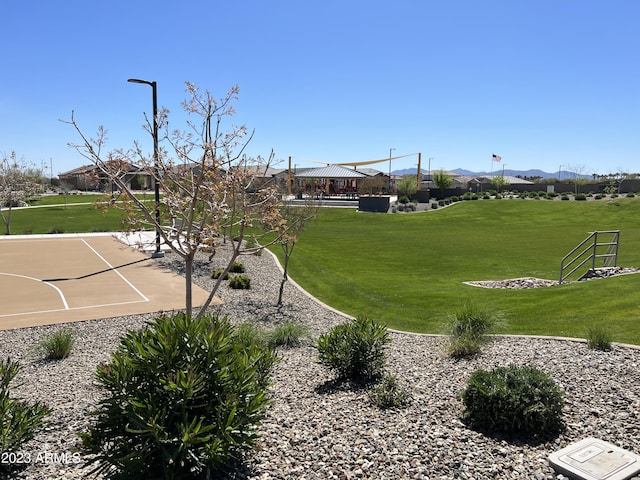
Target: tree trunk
(7, 221)
(285, 275)
(188, 274)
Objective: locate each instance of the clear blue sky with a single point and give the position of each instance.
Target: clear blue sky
(541, 83)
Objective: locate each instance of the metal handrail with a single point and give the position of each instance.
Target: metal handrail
(591, 253)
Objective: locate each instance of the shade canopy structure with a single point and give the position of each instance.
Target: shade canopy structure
(330, 171)
(330, 180)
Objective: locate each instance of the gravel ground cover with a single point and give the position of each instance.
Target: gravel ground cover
(317, 429)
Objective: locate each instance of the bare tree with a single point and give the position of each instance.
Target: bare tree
(296, 218)
(578, 176)
(204, 185)
(19, 181)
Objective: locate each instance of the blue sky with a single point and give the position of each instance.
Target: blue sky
(541, 83)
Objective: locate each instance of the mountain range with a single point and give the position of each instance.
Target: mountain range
(511, 173)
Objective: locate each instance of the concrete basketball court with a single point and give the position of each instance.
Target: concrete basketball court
(57, 279)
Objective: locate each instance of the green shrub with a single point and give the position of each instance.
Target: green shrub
(389, 393)
(58, 345)
(599, 338)
(237, 267)
(564, 197)
(217, 273)
(240, 282)
(182, 398)
(403, 199)
(631, 195)
(248, 333)
(580, 197)
(289, 334)
(468, 331)
(434, 206)
(354, 350)
(533, 194)
(513, 399)
(19, 419)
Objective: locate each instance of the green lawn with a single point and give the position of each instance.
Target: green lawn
(408, 270)
(68, 214)
(70, 219)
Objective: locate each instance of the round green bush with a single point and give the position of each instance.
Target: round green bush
(237, 267)
(354, 350)
(217, 273)
(182, 398)
(580, 197)
(513, 399)
(240, 282)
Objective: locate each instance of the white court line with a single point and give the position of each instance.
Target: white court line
(116, 271)
(4, 315)
(62, 297)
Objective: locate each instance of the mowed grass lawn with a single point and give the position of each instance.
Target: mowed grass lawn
(68, 214)
(407, 270)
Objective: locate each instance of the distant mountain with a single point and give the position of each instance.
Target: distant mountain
(512, 173)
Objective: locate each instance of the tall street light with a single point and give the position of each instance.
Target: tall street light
(390, 183)
(158, 253)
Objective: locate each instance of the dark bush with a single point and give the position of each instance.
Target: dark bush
(580, 197)
(513, 399)
(237, 267)
(240, 282)
(217, 273)
(403, 199)
(182, 398)
(354, 350)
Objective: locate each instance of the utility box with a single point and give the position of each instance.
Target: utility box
(593, 459)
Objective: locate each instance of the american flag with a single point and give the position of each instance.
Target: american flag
(497, 158)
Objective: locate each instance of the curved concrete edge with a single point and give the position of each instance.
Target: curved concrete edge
(350, 317)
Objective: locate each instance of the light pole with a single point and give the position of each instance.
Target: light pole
(158, 253)
(390, 150)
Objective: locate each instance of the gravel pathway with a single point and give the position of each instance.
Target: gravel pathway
(317, 430)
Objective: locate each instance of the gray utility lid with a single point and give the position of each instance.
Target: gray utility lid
(593, 459)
